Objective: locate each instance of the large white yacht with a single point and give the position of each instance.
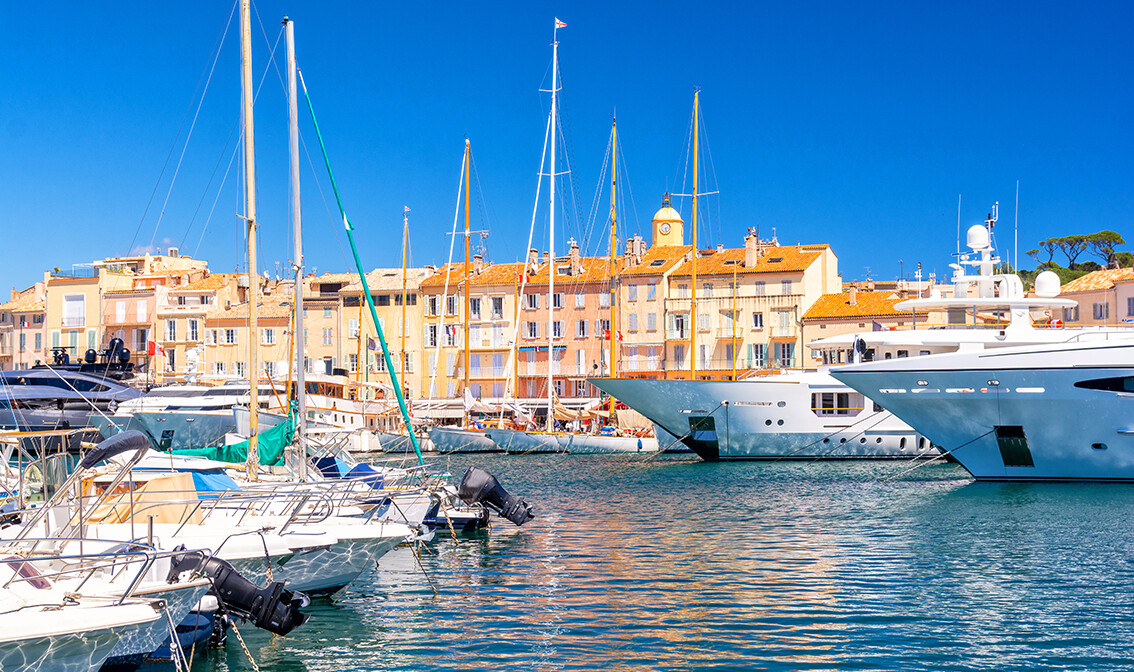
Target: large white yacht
(1060, 411)
(809, 414)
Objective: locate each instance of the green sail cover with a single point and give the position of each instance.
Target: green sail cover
(272, 444)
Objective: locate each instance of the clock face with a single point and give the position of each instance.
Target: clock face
(664, 228)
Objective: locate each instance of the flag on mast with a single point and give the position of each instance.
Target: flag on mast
(407, 208)
(559, 24)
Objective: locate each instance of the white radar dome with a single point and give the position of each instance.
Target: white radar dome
(977, 237)
(1047, 285)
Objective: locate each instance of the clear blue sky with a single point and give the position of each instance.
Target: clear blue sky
(854, 124)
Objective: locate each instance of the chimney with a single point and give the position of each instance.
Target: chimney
(546, 254)
(533, 260)
(573, 258)
(720, 247)
(751, 248)
(853, 295)
(477, 264)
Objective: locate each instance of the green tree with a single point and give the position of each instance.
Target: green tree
(1102, 245)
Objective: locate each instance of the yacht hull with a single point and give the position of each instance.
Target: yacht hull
(446, 440)
(517, 442)
(186, 429)
(583, 444)
(768, 419)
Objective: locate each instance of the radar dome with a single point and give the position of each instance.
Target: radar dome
(977, 237)
(1047, 285)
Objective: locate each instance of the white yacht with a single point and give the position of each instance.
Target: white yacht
(1062, 411)
(810, 414)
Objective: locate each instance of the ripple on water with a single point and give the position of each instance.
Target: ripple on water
(671, 564)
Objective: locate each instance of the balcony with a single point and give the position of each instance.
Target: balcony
(681, 334)
(730, 332)
(74, 322)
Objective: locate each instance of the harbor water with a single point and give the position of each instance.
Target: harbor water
(666, 563)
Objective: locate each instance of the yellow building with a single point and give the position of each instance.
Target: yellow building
(22, 338)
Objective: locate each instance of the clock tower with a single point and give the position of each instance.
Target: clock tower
(669, 228)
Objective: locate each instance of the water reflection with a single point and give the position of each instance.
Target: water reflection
(674, 565)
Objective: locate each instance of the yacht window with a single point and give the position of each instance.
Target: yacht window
(1123, 384)
(903, 353)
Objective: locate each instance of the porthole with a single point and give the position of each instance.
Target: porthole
(842, 440)
(862, 440)
(878, 440)
(826, 440)
(1098, 446)
(768, 422)
(781, 404)
(780, 422)
(902, 443)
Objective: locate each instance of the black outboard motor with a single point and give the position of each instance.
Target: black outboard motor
(273, 608)
(479, 486)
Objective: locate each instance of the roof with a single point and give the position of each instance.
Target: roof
(24, 302)
(210, 282)
(268, 308)
(491, 274)
(658, 260)
(1097, 280)
(386, 280)
(786, 259)
(867, 304)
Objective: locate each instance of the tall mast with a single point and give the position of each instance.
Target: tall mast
(614, 291)
(551, 228)
(299, 465)
(250, 217)
(405, 247)
(693, 286)
(468, 274)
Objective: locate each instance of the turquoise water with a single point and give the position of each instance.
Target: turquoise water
(674, 564)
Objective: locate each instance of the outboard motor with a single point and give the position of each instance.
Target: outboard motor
(479, 486)
(273, 608)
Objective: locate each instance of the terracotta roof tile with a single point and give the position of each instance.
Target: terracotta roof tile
(210, 282)
(658, 260)
(1097, 280)
(268, 309)
(490, 275)
(786, 259)
(23, 303)
(867, 304)
(386, 280)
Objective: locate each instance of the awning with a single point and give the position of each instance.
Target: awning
(783, 339)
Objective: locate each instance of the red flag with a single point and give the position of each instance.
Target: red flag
(155, 349)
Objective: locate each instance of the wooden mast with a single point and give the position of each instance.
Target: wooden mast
(468, 274)
(614, 289)
(250, 218)
(551, 232)
(693, 286)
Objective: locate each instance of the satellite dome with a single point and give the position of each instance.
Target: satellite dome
(1047, 285)
(977, 237)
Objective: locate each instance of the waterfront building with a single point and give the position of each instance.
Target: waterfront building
(223, 345)
(1105, 297)
(22, 338)
(181, 326)
(852, 311)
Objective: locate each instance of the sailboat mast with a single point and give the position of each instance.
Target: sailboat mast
(300, 460)
(551, 230)
(405, 247)
(693, 286)
(250, 218)
(468, 274)
(614, 293)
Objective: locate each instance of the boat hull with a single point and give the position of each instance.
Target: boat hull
(768, 419)
(183, 430)
(517, 442)
(583, 444)
(446, 440)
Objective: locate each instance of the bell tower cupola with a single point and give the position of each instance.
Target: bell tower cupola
(669, 228)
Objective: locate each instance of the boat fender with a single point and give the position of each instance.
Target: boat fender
(479, 486)
(272, 608)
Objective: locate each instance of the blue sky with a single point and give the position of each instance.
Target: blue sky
(854, 124)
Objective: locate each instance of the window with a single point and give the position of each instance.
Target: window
(532, 301)
(326, 312)
(451, 335)
(268, 336)
(651, 291)
(206, 299)
(210, 336)
(474, 335)
(581, 388)
(632, 322)
(474, 309)
(652, 357)
(327, 335)
(632, 292)
(580, 362)
(171, 360)
(531, 329)
(785, 354)
(1101, 311)
(230, 336)
(730, 353)
(241, 368)
(679, 356)
(557, 385)
(353, 363)
(498, 335)
(603, 327)
(708, 290)
(352, 327)
(757, 354)
(193, 336)
(557, 329)
(171, 330)
(580, 300)
(381, 299)
(785, 286)
(218, 368)
(181, 300)
(431, 304)
(556, 361)
(760, 288)
(757, 320)
(38, 341)
(498, 307)
(119, 312)
(305, 340)
(1071, 314)
(604, 300)
(1130, 306)
(683, 291)
(431, 335)
(581, 329)
(141, 311)
(651, 321)
(55, 338)
(451, 365)
(142, 344)
(557, 300)
(74, 310)
(270, 369)
(23, 342)
(530, 369)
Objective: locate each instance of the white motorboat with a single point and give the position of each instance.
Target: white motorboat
(1061, 412)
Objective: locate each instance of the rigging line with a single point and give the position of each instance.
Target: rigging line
(684, 166)
(513, 355)
(481, 203)
(942, 456)
(173, 145)
(239, 148)
(70, 386)
(185, 148)
(443, 308)
(592, 215)
(205, 193)
(625, 184)
(713, 185)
